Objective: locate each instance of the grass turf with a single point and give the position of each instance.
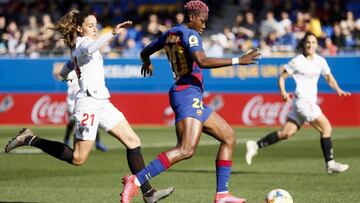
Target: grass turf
(295, 165)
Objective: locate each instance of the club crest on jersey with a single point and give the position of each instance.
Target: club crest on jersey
(199, 112)
(193, 41)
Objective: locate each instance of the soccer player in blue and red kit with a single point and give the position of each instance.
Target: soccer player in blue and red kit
(183, 46)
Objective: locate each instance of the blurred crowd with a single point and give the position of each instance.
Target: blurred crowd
(274, 26)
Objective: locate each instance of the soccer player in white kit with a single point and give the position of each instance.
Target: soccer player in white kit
(72, 89)
(305, 69)
(92, 105)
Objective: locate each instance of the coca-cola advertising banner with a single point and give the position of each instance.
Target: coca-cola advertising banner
(139, 108)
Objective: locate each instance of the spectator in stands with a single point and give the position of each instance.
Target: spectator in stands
(12, 37)
(265, 49)
(287, 42)
(338, 37)
(46, 35)
(250, 27)
(283, 24)
(3, 49)
(179, 18)
(30, 39)
(132, 49)
(356, 33)
(299, 26)
(268, 25)
(154, 27)
(214, 48)
(226, 40)
(330, 49)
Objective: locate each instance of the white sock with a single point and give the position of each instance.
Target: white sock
(137, 182)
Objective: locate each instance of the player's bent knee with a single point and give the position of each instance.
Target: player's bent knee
(230, 137)
(285, 135)
(187, 153)
(78, 161)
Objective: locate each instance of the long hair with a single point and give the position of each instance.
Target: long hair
(301, 43)
(67, 26)
(194, 7)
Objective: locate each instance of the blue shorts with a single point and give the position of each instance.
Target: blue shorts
(188, 103)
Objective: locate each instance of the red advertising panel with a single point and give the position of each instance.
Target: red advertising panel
(238, 109)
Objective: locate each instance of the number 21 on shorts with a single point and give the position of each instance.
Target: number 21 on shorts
(87, 119)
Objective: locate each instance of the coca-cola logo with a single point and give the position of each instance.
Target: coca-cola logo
(258, 112)
(46, 111)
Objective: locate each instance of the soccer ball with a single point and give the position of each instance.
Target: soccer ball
(279, 196)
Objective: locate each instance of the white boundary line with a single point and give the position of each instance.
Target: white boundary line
(172, 144)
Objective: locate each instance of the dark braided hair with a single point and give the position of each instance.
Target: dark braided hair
(194, 7)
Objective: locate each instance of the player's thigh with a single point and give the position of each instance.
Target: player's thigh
(82, 150)
(123, 132)
(322, 124)
(188, 132)
(114, 122)
(217, 127)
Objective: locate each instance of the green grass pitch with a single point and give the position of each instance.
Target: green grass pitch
(295, 165)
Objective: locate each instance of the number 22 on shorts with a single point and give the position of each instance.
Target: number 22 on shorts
(198, 104)
(87, 118)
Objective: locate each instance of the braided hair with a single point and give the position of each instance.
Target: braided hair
(194, 7)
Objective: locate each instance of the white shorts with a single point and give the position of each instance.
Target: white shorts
(303, 110)
(90, 113)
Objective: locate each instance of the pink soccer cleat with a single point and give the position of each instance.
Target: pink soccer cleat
(130, 189)
(226, 197)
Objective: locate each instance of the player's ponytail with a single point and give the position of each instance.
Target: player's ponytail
(67, 26)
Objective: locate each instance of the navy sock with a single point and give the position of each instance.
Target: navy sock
(326, 146)
(153, 169)
(56, 149)
(223, 171)
(269, 139)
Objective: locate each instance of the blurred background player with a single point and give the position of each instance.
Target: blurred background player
(305, 69)
(92, 104)
(183, 46)
(73, 87)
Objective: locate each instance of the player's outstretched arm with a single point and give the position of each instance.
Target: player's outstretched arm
(105, 38)
(205, 62)
(334, 85)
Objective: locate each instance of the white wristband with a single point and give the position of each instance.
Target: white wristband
(235, 61)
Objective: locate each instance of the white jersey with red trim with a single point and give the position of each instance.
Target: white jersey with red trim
(306, 74)
(89, 66)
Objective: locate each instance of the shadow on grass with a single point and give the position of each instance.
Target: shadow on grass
(15, 202)
(246, 172)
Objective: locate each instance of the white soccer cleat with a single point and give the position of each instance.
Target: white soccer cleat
(335, 167)
(251, 151)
